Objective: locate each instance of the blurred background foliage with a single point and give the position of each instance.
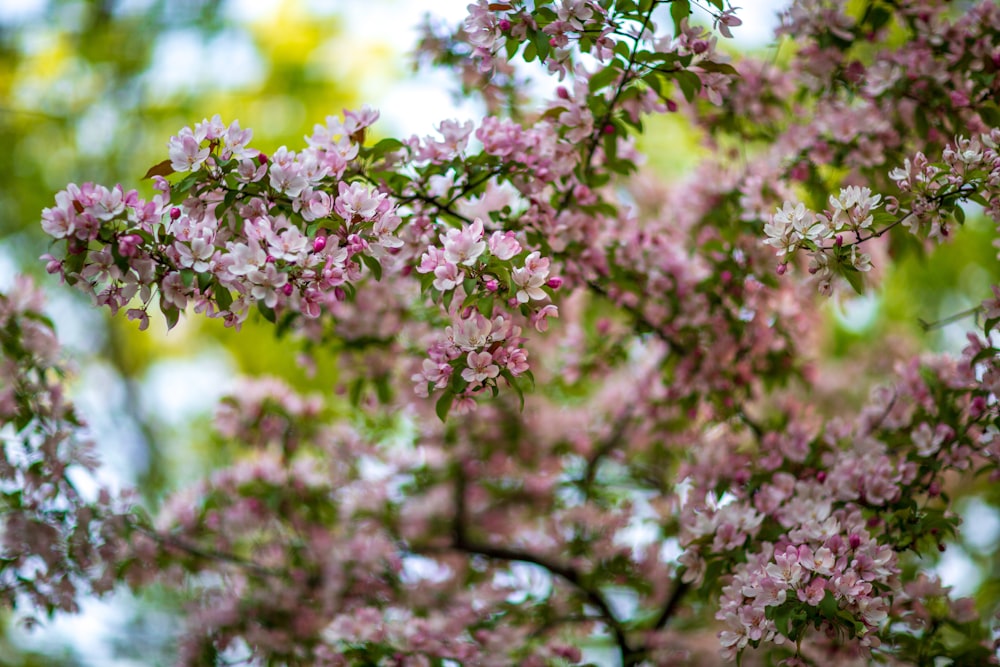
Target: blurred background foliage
(90, 90)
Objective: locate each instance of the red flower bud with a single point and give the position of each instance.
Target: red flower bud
(175, 213)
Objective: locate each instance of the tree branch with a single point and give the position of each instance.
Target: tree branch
(463, 543)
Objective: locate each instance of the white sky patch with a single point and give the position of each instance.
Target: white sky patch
(177, 390)
(183, 60)
(13, 12)
(91, 633)
(857, 313)
(980, 525)
(958, 571)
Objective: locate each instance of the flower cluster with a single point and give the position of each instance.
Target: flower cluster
(822, 236)
(935, 192)
(241, 230)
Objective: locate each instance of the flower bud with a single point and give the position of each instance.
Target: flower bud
(175, 213)
(854, 540)
(555, 282)
(671, 106)
(504, 25)
(319, 243)
(782, 268)
(492, 285)
(287, 289)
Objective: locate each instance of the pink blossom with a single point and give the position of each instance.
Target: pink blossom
(481, 367)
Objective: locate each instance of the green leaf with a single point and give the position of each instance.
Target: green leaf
(605, 77)
(542, 46)
(507, 375)
(374, 265)
(530, 52)
(222, 296)
(444, 405)
(267, 312)
(854, 278)
(160, 169)
(689, 83)
(386, 146)
(721, 68)
(679, 10)
(959, 215)
(485, 305)
(170, 314)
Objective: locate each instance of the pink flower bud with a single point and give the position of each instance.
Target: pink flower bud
(782, 268)
(977, 408)
(839, 241)
(127, 244)
(562, 93)
(726, 276)
(504, 25)
(699, 46)
(319, 243)
(555, 282)
(492, 285)
(854, 540)
(269, 259)
(821, 476)
(53, 265)
(608, 129)
(262, 158)
(339, 294)
(287, 289)
(934, 489)
(671, 106)
(553, 42)
(175, 213)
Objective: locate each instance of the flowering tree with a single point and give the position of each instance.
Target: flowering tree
(586, 407)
